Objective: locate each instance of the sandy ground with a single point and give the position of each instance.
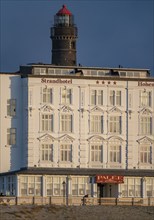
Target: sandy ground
(54, 212)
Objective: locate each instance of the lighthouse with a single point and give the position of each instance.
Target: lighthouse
(64, 36)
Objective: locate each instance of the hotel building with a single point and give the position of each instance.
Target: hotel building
(89, 128)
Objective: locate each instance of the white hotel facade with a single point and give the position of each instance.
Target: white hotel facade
(89, 128)
(59, 126)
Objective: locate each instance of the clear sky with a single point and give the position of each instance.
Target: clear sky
(110, 32)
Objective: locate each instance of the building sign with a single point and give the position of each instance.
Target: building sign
(145, 83)
(109, 179)
(63, 81)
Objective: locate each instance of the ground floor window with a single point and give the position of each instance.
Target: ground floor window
(81, 186)
(75, 186)
(31, 185)
(55, 186)
(131, 187)
(149, 187)
(2, 185)
(11, 185)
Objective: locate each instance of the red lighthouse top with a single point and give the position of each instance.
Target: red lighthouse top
(64, 11)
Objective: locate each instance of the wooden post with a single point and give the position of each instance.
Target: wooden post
(116, 201)
(50, 200)
(33, 200)
(16, 200)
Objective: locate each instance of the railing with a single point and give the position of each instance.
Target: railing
(76, 201)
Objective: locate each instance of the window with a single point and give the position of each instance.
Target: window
(123, 189)
(96, 97)
(58, 186)
(150, 187)
(31, 185)
(131, 187)
(115, 98)
(145, 98)
(2, 185)
(39, 71)
(115, 124)
(115, 153)
(66, 96)
(145, 154)
(96, 124)
(66, 153)
(10, 187)
(146, 125)
(81, 186)
(34, 186)
(66, 123)
(11, 107)
(47, 152)
(47, 122)
(47, 95)
(49, 186)
(11, 136)
(24, 185)
(96, 153)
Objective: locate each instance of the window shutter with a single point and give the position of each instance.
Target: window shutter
(101, 97)
(120, 121)
(101, 153)
(150, 125)
(114, 97)
(150, 154)
(120, 99)
(149, 96)
(102, 125)
(120, 158)
(71, 153)
(51, 152)
(51, 96)
(95, 97)
(52, 124)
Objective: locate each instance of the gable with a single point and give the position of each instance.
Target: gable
(145, 140)
(66, 138)
(145, 111)
(66, 109)
(114, 110)
(46, 138)
(96, 109)
(46, 108)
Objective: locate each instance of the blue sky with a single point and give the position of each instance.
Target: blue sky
(110, 32)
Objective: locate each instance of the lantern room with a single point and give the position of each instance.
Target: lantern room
(64, 17)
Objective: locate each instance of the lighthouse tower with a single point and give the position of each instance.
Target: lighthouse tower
(64, 35)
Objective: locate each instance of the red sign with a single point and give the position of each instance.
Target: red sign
(109, 179)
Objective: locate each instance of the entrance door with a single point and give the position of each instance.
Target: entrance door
(101, 192)
(107, 190)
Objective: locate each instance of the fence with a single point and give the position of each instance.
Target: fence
(76, 201)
